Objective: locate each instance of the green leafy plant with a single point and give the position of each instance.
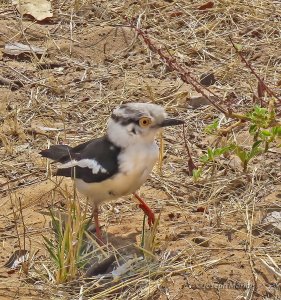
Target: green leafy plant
(213, 153)
(66, 249)
(268, 136)
(213, 127)
(261, 122)
(210, 158)
(245, 156)
(261, 119)
(196, 174)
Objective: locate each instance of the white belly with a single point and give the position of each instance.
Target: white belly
(135, 165)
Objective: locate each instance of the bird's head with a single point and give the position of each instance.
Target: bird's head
(137, 123)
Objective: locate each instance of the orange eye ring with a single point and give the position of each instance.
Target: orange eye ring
(145, 122)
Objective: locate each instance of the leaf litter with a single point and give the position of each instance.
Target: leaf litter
(38, 9)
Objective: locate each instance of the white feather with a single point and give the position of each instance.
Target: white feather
(84, 163)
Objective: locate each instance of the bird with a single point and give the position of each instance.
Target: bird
(117, 163)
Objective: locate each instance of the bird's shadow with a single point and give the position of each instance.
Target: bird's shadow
(120, 248)
(123, 243)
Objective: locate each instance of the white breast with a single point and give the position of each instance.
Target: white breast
(135, 165)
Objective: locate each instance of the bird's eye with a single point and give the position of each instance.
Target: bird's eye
(144, 122)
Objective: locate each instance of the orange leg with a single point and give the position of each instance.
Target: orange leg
(146, 209)
(97, 226)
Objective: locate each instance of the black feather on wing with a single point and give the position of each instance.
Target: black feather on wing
(101, 150)
(56, 152)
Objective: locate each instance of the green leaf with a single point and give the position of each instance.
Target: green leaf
(196, 174)
(57, 227)
(204, 159)
(238, 47)
(231, 147)
(253, 129)
(48, 244)
(212, 127)
(241, 153)
(220, 151)
(256, 144)
(210, 154)
(217, 152)
(254, 151)
(260, 117)
(276, 130)
(265, 133)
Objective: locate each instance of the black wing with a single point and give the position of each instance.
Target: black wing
(101, 150)
(56, 152)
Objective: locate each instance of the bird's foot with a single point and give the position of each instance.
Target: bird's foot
(149, 213)
(147, 210)
(99, 237)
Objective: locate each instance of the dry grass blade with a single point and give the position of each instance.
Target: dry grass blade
(69, 241)
(148, 239)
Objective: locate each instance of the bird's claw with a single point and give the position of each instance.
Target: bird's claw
(149, 213)
(146, 209)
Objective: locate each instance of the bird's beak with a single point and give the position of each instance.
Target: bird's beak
(171, 122)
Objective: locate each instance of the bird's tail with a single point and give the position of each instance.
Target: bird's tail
(58, 153)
